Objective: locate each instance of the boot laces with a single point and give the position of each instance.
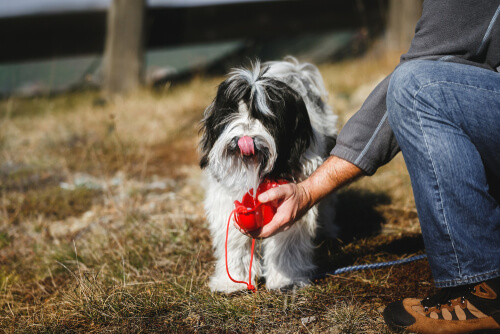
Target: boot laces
(445, 296)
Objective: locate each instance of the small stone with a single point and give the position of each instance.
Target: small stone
(308, 320)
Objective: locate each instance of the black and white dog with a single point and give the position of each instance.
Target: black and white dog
(269, 121)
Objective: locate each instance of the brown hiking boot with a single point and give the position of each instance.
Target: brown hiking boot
(466, 309)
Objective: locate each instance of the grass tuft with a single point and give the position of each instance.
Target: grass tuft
(48, 203)
(349, 316)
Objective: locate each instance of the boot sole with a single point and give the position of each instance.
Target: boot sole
(400, 329)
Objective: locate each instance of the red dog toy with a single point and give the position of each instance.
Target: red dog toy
(250, 214)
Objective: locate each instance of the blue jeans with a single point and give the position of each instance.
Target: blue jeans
(446, 119)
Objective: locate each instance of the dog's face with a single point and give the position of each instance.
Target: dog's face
(256, 126)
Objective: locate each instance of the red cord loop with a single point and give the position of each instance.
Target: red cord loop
(250, 214)
(249, 284)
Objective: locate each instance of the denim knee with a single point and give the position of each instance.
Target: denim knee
(402, 88)
(406, 81)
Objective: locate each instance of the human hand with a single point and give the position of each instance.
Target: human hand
(293, 202)
(295, 199)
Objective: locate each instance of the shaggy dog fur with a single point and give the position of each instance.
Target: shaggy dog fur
(280, 109)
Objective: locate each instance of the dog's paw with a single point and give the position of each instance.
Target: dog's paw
(224, 285)
(286, 284)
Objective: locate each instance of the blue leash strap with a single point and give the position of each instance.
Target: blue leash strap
(370, 266)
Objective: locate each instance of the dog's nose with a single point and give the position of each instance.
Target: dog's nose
(246, 146)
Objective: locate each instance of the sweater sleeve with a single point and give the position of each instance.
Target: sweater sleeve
(449, 30)
(367, 140)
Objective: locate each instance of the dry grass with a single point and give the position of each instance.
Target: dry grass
(102, 227)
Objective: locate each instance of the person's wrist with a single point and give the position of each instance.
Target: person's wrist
(306, 197)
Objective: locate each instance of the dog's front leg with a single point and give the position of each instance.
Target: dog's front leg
(288, 256)
(238, 260)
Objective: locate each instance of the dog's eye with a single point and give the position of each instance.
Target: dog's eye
(234, 142)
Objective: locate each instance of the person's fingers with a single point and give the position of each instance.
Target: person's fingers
(269, 195)
(287, 203)
(264, 232)
(275, 193)
(279, 223)
(270, 229)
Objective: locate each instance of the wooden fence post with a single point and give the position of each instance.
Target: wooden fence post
(403, 15)
(123, 54)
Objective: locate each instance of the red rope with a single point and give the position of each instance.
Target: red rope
(249, 284)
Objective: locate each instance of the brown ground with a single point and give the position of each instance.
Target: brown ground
(102, 227)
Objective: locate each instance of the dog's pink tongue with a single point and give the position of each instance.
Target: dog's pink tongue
(245, 144)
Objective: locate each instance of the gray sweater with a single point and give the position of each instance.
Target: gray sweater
(462, 31)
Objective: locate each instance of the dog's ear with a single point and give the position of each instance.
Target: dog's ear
(303, 129)
(207, 137)
(295, 119)
(290, 126)
(303, 132)
(215, 119)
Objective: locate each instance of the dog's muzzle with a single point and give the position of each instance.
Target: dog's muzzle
(246, 146)
(250, 150)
